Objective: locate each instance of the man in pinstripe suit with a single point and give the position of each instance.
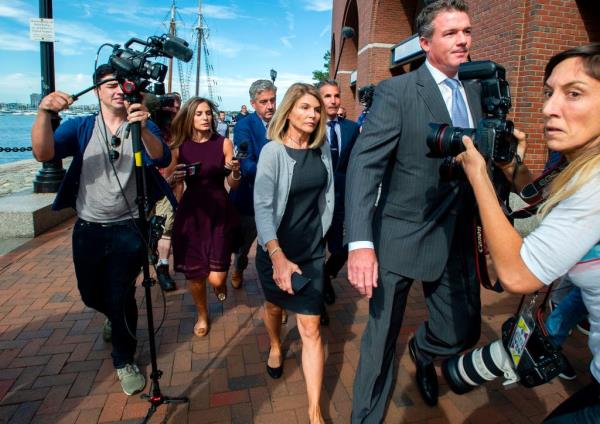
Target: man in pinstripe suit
(420, 228)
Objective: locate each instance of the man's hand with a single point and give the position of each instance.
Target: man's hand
(363, 270)
(137, 112)
(55, 102)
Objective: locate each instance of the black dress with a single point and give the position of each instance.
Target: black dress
(300, 236)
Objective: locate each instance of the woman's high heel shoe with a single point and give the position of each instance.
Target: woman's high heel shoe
(274, 373)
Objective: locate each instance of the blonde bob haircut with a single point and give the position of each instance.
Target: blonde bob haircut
(278, 127)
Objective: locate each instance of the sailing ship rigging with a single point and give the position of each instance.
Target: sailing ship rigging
(198, 37)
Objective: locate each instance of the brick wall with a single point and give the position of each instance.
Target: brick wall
(519, 34)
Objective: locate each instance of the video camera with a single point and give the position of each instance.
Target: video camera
(134, 71)
(493, 136)
(162, 108)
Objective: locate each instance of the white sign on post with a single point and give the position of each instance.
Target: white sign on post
(41, 29)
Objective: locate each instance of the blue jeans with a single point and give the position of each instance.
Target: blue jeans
(569, 312)
(107, 261)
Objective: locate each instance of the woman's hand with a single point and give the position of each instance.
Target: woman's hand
(178, 174)
(234, 166)
(283, 270)
(472, 162)
(509, 168)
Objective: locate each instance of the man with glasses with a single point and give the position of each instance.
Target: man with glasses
(100, 185)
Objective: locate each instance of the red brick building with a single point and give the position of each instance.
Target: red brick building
(519, 34)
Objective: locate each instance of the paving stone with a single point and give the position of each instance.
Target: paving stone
(55, 368)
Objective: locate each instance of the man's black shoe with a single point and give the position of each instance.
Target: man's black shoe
(328, 292)
(426, 377)
(324, 317)
(164, 279)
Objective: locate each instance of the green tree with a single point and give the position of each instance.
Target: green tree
(319, 75)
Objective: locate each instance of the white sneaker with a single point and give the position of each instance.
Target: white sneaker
(132, 380)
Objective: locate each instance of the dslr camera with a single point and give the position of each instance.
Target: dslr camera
(524, 354)
(493, 136)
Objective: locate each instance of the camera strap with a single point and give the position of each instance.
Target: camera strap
(483, 263)
(535, 190)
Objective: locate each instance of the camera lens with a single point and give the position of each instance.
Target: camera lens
(467, 371)
(444, 140)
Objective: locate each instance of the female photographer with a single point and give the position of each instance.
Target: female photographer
(205, 219)
(293, 203)
(567, 239)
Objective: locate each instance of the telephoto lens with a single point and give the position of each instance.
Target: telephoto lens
(464, 372)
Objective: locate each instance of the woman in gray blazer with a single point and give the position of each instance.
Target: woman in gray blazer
(293, 204)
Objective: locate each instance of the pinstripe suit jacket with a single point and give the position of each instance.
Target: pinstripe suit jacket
(414, 223)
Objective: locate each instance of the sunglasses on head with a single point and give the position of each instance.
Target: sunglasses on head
(114, 154)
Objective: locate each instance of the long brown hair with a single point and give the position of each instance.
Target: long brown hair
(586, 165)
(278, 126)
(182, 128)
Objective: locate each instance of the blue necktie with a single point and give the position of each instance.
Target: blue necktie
(460, 117)
(333, 143)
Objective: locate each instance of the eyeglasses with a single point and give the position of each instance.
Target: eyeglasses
(115, 142)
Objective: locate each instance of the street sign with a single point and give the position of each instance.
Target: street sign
(41, 29)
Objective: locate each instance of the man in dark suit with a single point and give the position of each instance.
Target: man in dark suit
(250, 135)
(419, 228)
(341, 135)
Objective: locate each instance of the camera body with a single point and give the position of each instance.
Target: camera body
(493, 136)
(156, 228)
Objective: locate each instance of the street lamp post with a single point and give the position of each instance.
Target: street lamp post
(273, 75)
(48, 178)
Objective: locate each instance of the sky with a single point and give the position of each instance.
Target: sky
(246, 39)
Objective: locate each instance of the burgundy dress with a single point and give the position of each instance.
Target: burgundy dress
(205, 221)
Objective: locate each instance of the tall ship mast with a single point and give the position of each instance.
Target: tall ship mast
(199, 36)
(173, 33)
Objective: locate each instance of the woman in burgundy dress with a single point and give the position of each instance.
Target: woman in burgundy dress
(205, 219)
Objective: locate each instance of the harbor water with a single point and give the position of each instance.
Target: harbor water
(15, 131)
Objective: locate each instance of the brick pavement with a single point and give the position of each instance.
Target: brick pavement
(55, 368)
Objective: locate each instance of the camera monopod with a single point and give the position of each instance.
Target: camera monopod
(132, 91)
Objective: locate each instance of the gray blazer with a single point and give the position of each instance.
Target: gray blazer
(413, 225)
(272, 186)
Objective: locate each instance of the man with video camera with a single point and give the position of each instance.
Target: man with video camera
(163, 110)
(108, 248)
(419, 229)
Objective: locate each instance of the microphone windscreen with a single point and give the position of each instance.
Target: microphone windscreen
(178, 48)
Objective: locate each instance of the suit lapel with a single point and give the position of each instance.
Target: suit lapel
(430, 93)
(260, 130)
